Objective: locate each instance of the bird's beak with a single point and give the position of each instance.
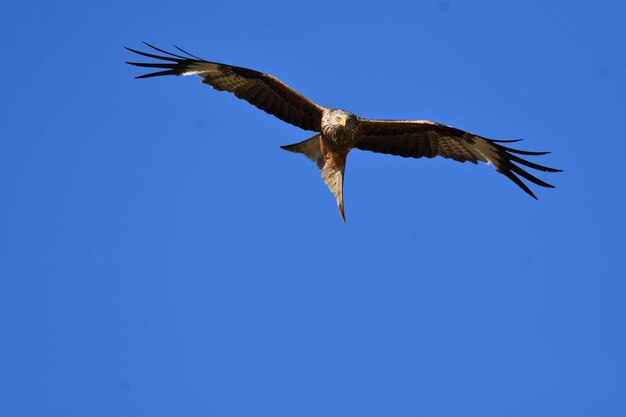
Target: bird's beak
(342, 122)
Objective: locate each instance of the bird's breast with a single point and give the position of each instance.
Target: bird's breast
(337, 136)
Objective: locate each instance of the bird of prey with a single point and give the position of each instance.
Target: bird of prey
(338, 131)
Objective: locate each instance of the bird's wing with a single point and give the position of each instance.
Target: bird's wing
(421, 138)
(261, 90)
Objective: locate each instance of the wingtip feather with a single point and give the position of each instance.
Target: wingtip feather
(510, 175)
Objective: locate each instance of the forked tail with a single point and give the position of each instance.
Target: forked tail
(332, 165)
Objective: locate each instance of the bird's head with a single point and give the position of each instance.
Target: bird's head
(339, 124)
(341, 118)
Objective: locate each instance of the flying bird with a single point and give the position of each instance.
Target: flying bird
(339, 131)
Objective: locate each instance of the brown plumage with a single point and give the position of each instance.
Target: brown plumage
(339, 131)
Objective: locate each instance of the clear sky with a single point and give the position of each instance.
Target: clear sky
(160, 255)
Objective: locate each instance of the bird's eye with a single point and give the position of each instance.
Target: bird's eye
(337, 118)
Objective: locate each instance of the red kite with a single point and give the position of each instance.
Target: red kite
(339, 131)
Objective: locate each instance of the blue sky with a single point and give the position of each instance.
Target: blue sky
(160, 255)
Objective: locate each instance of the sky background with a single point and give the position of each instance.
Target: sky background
(160, 255)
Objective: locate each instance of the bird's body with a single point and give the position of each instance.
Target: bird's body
(339, 131)
(329, 149)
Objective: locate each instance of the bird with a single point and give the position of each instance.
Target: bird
(338, 131)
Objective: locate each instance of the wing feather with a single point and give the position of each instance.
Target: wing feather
(261, 90)
(422, 138)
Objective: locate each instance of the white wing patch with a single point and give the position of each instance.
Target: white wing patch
(489, 161)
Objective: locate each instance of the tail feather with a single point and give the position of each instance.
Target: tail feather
(332, 174)
(311, 148)
(332, 165)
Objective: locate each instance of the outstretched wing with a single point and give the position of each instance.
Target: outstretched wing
(421, 138)
(261, 90)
